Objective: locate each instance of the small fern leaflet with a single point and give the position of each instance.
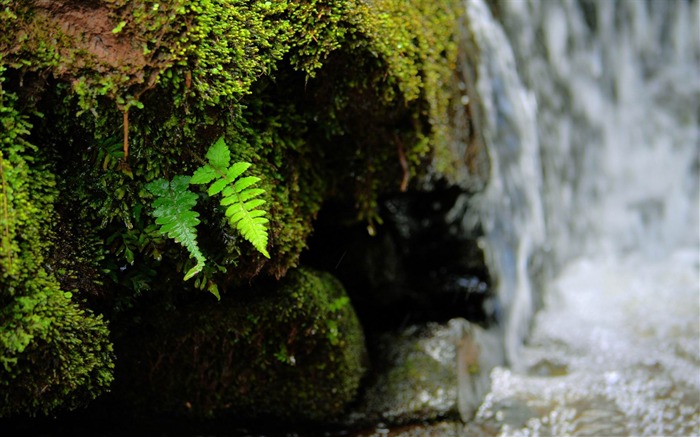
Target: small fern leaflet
(238, 194)
(173, 212)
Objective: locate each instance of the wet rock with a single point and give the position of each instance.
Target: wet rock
(295, 354)
(429, 372)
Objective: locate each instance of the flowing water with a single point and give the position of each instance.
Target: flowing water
(593, 122)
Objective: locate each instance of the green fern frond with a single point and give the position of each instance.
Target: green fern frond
(173, 212)
(239, 194)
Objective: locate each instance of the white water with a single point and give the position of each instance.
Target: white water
(593, 112)
(512, 209)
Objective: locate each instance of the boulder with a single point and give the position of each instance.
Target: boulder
(296, 354)
(430, 372)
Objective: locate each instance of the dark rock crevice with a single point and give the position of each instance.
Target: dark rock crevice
(423, 263)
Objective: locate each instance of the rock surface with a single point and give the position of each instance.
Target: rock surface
(296, 354)
(429, 372)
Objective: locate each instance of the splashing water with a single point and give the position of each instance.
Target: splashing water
(593, 121)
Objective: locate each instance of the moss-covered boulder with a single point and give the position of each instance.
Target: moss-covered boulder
(296, 354)
(53, 353)
(341, 99)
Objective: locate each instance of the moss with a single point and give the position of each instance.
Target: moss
(267, 74)
(336, 99)
(295, 353)
(52, 352)
(56, 355)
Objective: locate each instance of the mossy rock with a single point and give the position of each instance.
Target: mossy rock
(53, 353)
(65, 361)
(296, 354)
(342, 99)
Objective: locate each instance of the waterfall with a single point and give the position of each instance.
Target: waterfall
(617, 88)
(592, 119)
(511, 206)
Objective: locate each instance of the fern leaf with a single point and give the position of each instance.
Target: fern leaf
(236, 170)
(251, 224)
(219, 155)
(217, 187)
(173, 212)
(203, 175)
(252, 204)
(244, 183)
(229, 197)
(238, 193)
(251, 193)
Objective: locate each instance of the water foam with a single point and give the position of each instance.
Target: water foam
(618, 343)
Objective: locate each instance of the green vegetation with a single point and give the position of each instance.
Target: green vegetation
(52, 353)
(294, 352)
(173, 212)
(174, 203)
(103, 105)
(237, 194)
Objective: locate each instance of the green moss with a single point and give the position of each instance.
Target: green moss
(336, 99)
(295, 353)
(52, 353)
(55, 355)
(341, 98)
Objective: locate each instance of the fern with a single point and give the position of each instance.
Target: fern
(173, 212)
(238, 194)
(174, 202)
